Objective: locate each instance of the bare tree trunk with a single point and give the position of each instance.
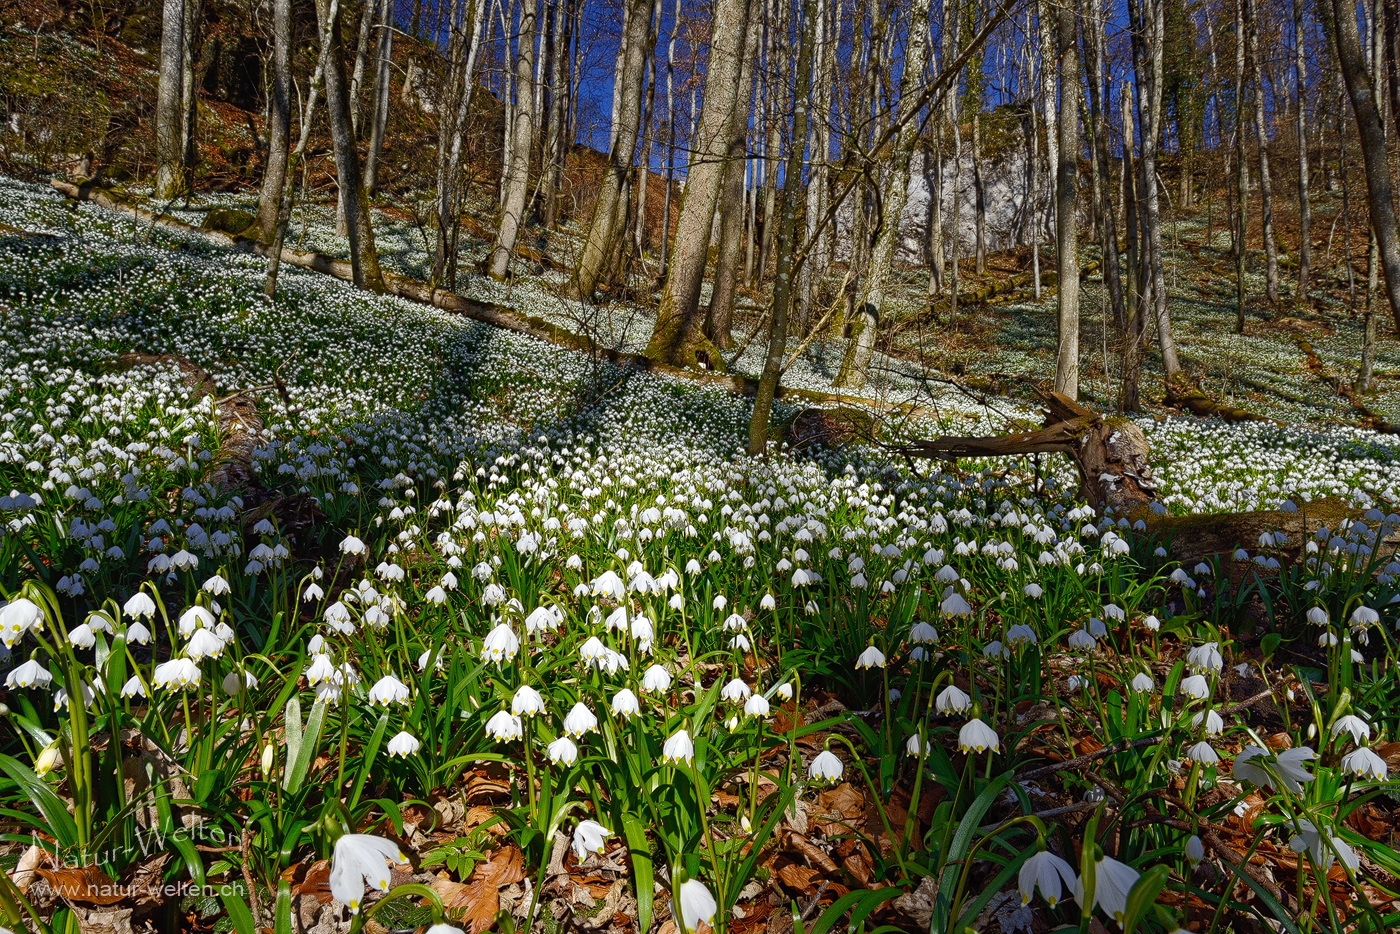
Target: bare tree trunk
(517, 183)
(720, 313)
(170, 175)
(1300, 76)
(1092, 14)
(777, 56)
(1147, 60)
(678, 336)
(855, 365)
(979, 190)
(603, 232)
(279, 123)
(1046, 21)
(1134, 310)
(1379, 186)
(381, 95)
(357, 74)
(644, 170)
(1261, 133)
(189, 93)
(787, 236)
(665, 247)
(364, 259)
(463, 47)
(1241, 217)
(555, 147)
(1067, 207)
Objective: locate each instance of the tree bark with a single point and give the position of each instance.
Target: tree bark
(279, 123)
(381, 96)
(1300, 77)
(517, 181)
(1067, 207)
(364, 259)
(189, 93)
(1261, 133)
(719, 315)
(855, 366)
(602, 232)
(170, 176)
(463, 46)
(1134, 311)
(1092, 14)
(787, 236)
(1241, 218)
(1379, 185)
(678, 337)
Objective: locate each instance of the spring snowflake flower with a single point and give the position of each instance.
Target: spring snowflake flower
(403, 745)
(1047, 872)
(17, 618)
(235, 681)
(1214, 725)
(562, 751)
(196, 617)
(588, 838)
(1364, 763)
(624, 703)
(389, 690)
(1020, 634)
(756, 706)
(656, 680)
(678, 748)
(500, 645)
(955, 605)
(137, 634)
(953, 699)
(82, 636)
(1112, 883)
(871, 658)
(204, 644)
(579, 720)
(1288, 764)
(696, 904)
(826, 767)
(1080, 639)
(977, 736)
(609, 585)
(134, 687)
(28, 675)
(1205, 658)
(178, 674)
(1195, 687)
(1322, 847)
(504, 727)
(140, 606)
(1151, 623)
(526, 702)
(1142, 683)
(1195, 851)
(913, 746)
(1203, 753)
(1359, 729)
(361, 860)
(784, 691)
(767, 603)
(736, 691)
(350, 545)
(1364, 616)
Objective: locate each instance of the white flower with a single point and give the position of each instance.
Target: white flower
(1214, 725)
(1288, 765)
(922, 634)
(526, 702)
(656, 680)
(736, 691)
(500, 645)
(592, 652)
(913, 746)
(389, 690)
(1204, 753)
(204, 644)
(1323, 847)
(1047, 872)
(236, 681)
(138, 634)
(17, 618)
(1112, 883)
(952, 699)
(361, 860)
(1359, 729)
(403, 745)
(82, 636)
(756, 706)
(955, 605)
(1020, 634)
(350, 545)
(624, 703)
(504, 727)
(133, 687)
(608, 584)
(1195, 850)
(826, 767)
(977, 736)
(177, 674)
(1143, 683)
(196, 617)
(30, 674)
(1079, 639)
(140, 605)
(588, 838)
(784, 691)
(678, 748)
(579, 720)
(1205, 658)
(216, 585)
(871, 658)
(696, 904)
(1151, 622)
(1195, 687)
(562, 751)
(1363, 763)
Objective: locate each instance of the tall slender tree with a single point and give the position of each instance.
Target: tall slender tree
(522, 130)
(170, 175)
(279, 123)
(1067, 205)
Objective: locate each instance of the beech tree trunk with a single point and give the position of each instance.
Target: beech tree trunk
(602, 232)
(1379, 185)
(364, 259)
(1067, 208)
(380, 114)
(1093, 40)
(462, 51)
(787, 238)
(170, 175)
(1300, 77)
(678, 336)
(279, 123)
(517, 180)
(1261, 133)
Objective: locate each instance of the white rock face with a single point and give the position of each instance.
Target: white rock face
(1006, 186)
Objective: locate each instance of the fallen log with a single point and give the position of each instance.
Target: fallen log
(1369, 418)
(1183, 396)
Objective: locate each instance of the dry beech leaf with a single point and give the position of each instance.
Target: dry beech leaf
(798, 877)
(809, 851)
(88, 885)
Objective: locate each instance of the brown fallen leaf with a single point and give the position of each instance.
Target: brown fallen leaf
(798, 877)
(472, 905)
(842, 808)
(1087, 745)
(813, 855)
(87, 885)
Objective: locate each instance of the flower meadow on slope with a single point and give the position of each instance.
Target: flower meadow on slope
(667, 655)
